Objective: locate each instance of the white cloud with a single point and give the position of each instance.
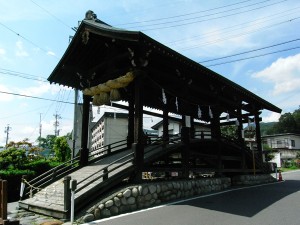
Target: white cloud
(5, 97)
(51, 53)
(2, 52)
(20, 51)
(284, 74)
(271, 117)
(36, 90)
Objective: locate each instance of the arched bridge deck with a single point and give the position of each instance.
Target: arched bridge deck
(110, 165)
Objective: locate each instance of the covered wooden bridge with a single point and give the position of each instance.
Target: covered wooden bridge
(110, 64)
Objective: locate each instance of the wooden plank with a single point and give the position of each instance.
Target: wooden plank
(3, 199)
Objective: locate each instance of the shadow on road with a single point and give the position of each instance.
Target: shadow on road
(247, 202)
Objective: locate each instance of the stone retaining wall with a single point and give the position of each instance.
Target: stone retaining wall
(151, 194)
(154, 193)
(252, 179)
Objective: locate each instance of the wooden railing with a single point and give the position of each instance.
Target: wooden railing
(3, 201)
(3, 205)
(70, 166)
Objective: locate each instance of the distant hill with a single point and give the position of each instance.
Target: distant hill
(265, 128)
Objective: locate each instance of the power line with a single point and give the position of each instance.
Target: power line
(182, 15)
(29, 96)
(239, 35)
(199, 21)
(26, 39)
(256, 56)
(51, 14)
(254, 50)
(238, 26)
(23, 75)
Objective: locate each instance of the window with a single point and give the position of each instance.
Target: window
(293, 143)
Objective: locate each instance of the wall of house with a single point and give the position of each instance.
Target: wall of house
(115, 129)
(283, 141)
(175, 128)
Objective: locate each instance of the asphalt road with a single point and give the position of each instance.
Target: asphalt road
(271, 204)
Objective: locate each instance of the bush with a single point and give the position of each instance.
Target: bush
(14, 178)
(31, 170)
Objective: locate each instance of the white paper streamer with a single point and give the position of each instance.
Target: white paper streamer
(176, 102)
(164, 97)
(210, 113)
(199, 112)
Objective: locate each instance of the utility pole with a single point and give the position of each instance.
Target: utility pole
(6, 130)
(40, 131)
(56, 124)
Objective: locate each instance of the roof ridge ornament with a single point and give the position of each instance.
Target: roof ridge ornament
(90, 15)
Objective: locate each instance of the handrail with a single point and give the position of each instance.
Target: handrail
(69, 166)
(105, 171)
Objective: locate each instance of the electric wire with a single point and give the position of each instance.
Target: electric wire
(23, 75)
(238, 35)
(181, 15)
(238, 26)
(252, 57)
(198, 21)
(34, 97)
(250, 51)
(51, 14)
(26, 39)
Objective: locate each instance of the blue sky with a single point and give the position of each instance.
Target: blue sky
(35, 35)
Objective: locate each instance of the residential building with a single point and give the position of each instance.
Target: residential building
(110, 128)
(174, 127)
(287, 145)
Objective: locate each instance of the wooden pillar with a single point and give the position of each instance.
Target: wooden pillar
(192, 130)
(185, 138)
(130, 137)
(258, 135)
(166, 136)
(138, 125)
(240, 137)
(84, 153)
(216, 134)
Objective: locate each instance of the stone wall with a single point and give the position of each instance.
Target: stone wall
(252, 179)
(150, 194)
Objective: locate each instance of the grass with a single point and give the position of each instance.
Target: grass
(286, 169)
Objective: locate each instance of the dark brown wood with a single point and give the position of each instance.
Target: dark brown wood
(139, 137)
(165, 124)
(3, 199)
(240, 137)
(258, 136)
(216, 134)
(84, 152)
(130, 137)
(185, 152)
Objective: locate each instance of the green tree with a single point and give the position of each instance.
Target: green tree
(12, 158)
(47, 142)
(286, 124)
(229, 131)
(62, 149)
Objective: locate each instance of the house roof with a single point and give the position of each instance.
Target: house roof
(99, 52)
(280, 135)
(178, 121)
